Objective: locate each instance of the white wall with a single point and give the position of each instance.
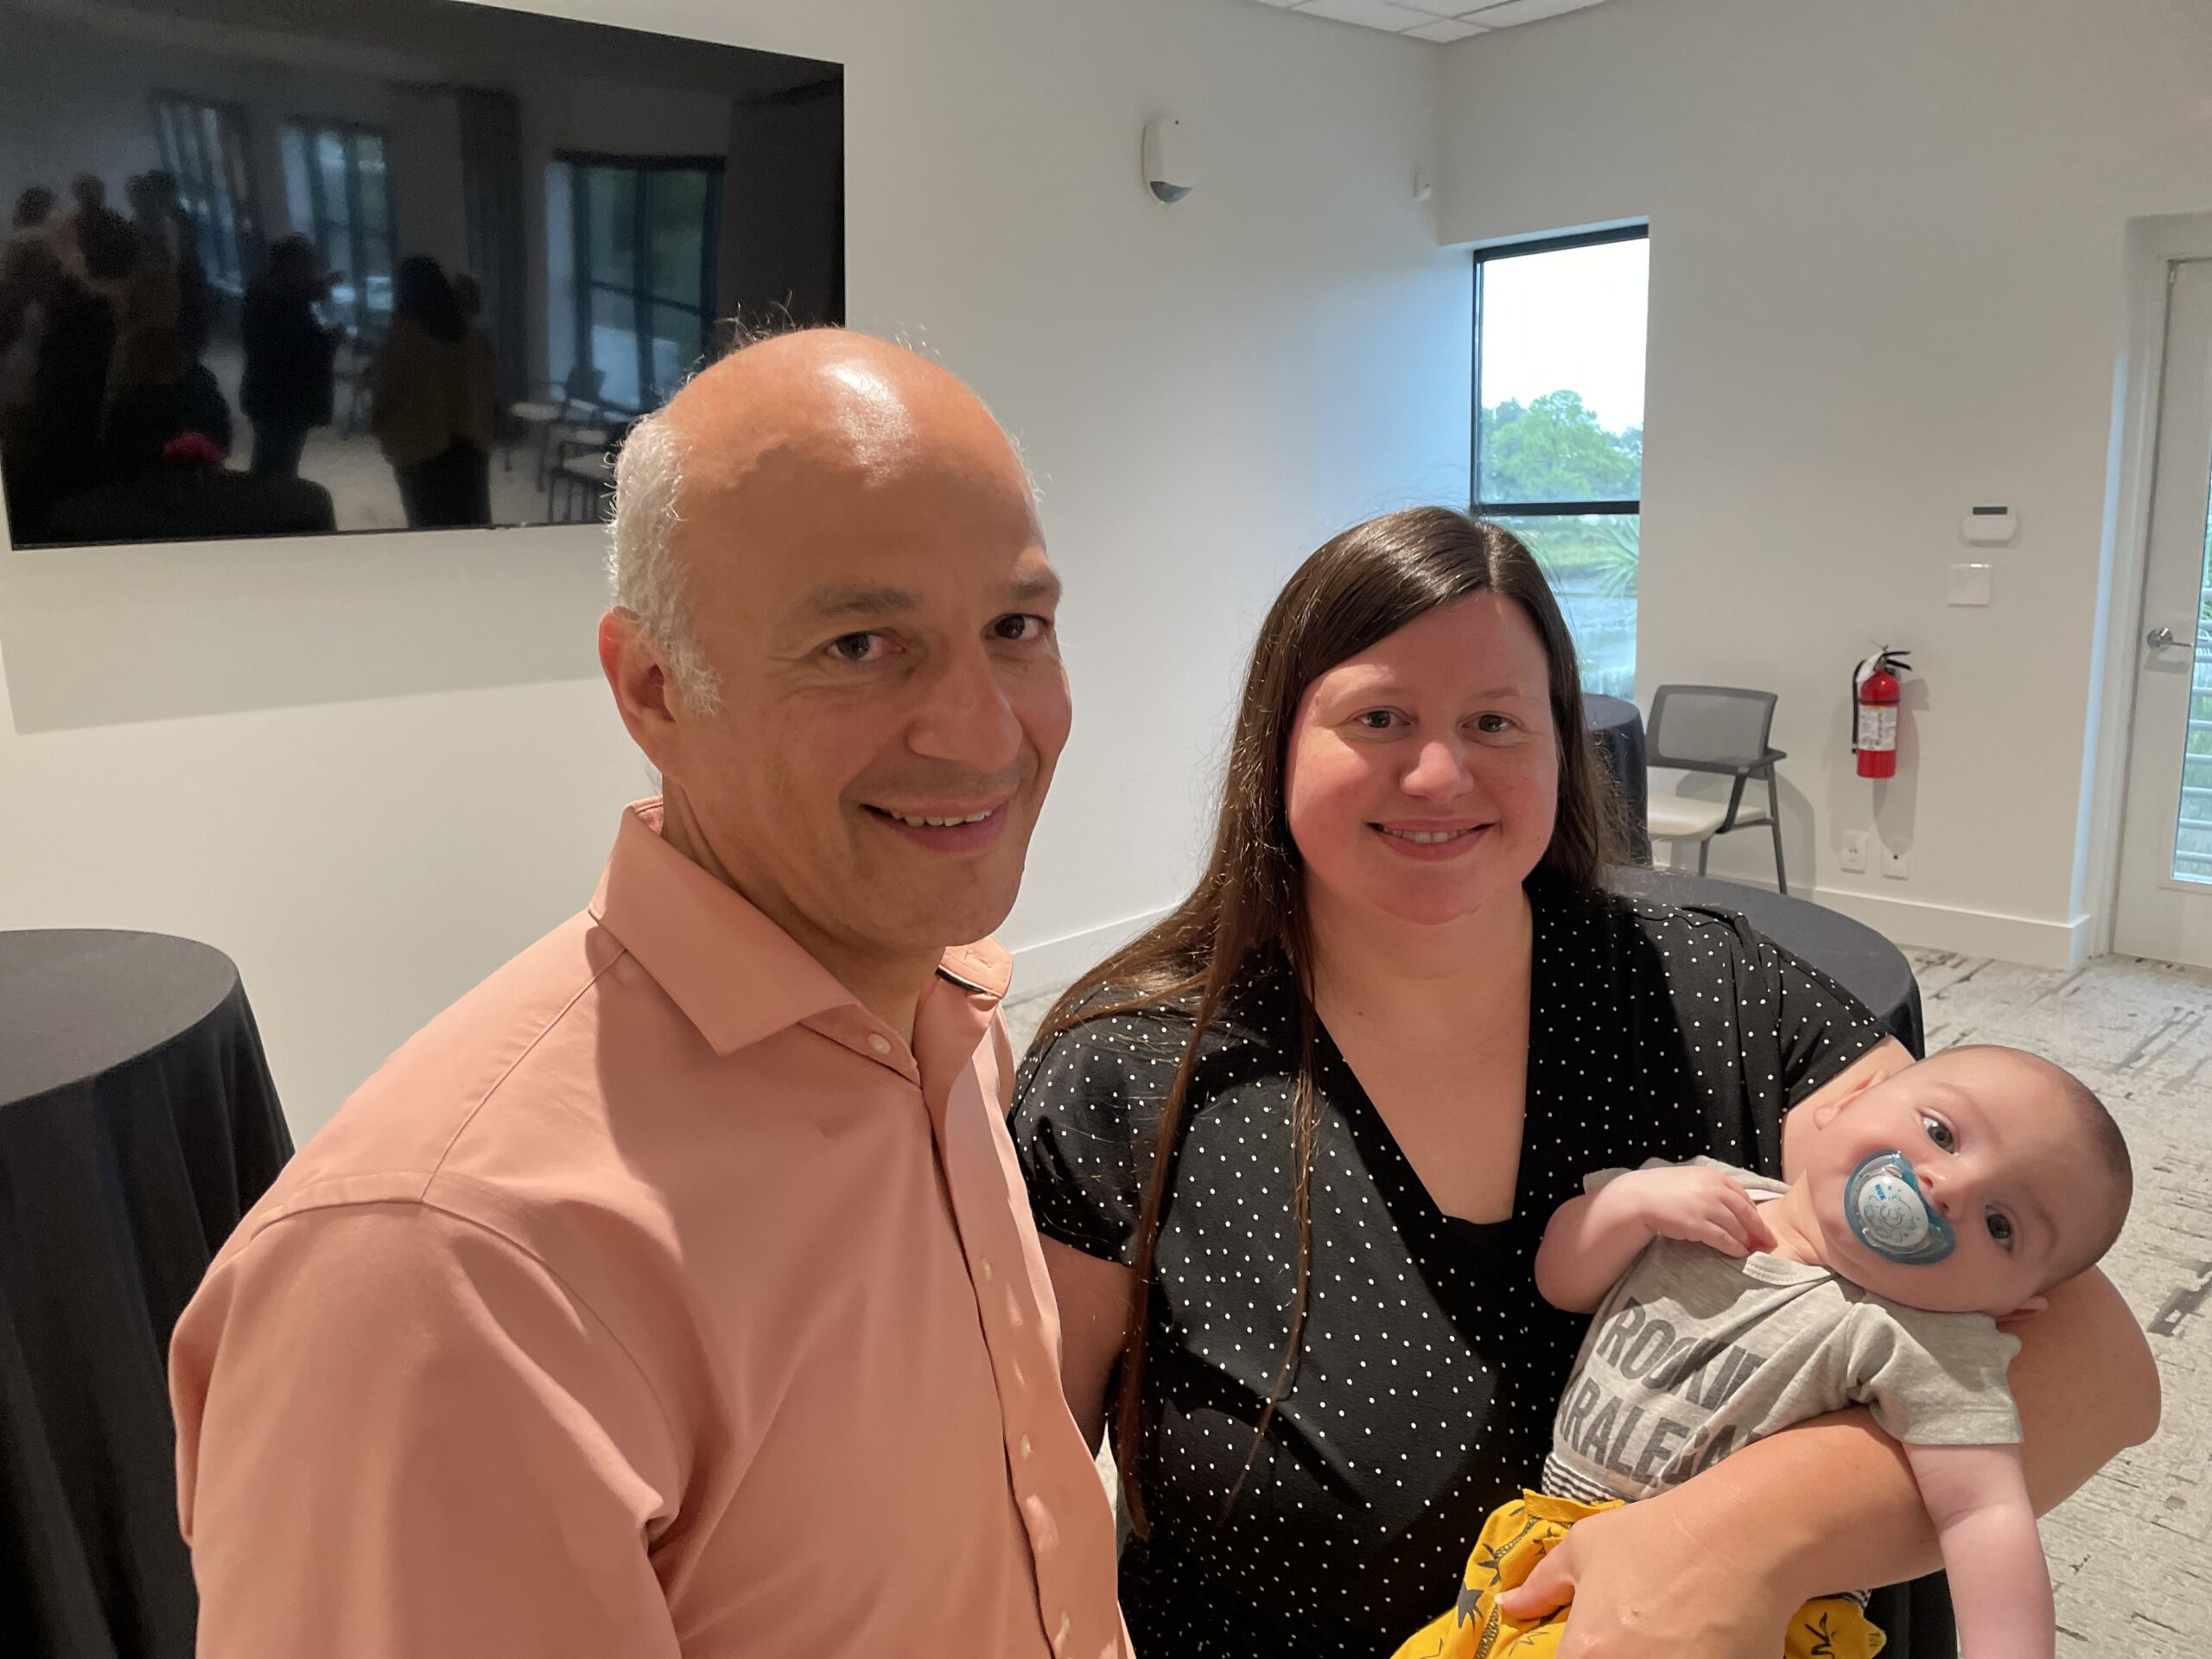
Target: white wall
(372, 768)
(1886, 283)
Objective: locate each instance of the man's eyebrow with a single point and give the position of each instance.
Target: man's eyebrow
(1039, 587)
(837, 602)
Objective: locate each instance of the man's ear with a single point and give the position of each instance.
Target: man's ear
(639, 679)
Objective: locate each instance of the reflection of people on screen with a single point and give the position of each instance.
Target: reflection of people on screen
(432, 402)
(56, 446)
(170, 241)
(287, 388)
(29, 262)
(89, 191)
(468, 294)
(189, 496)
(161, 390)
(112, 429)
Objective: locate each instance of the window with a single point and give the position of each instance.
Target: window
(1558, 427)
(203, 148)
(338, 190)
(643, 237)
(2193, 834)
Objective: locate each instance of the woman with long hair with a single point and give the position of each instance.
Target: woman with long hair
(431, 403)
(1292, 1149)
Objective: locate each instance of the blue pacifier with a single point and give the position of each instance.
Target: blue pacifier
(1892, 1216)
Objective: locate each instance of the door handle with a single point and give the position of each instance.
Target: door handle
(2160, 638)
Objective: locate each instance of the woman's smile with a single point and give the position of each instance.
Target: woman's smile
(1430, 842)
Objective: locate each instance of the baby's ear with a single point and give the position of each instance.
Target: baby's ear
(1841, 1092)
(2024, 1313)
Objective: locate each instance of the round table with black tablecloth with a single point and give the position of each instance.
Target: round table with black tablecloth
(1852, 953)
(1917, 1617)
(137, 1124)
(1618, 728)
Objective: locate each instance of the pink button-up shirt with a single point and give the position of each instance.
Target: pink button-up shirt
(657, 1298)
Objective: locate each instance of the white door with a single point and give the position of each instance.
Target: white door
(2165, 863)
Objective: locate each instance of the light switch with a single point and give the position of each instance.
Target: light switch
(1970, 584)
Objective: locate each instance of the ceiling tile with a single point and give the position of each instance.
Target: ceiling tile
(1519, 11)
(1373, 13)
(1446, 28)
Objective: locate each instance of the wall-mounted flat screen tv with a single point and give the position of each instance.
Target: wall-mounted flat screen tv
(283, 267)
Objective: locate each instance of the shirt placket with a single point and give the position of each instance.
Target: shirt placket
(1021, 1364)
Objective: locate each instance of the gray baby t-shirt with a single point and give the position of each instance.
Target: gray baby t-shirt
(1693, 1355)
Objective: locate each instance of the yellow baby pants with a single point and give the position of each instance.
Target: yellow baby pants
(1519, 1535)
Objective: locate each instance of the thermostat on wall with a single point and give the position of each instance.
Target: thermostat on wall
(1988, 526)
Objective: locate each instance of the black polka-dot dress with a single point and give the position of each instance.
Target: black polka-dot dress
(1429, 1367)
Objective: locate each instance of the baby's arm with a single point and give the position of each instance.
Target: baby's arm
(1591, 1240)
(2000, 1585)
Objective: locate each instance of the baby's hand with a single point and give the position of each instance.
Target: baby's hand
(1702, 1206)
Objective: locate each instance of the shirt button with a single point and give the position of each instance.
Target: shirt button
(1025, 1446)
(880, 1044)
(1066, 1624)
(986, 1270)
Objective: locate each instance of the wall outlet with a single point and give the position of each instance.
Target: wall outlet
(1854, 852)
(1896, 865)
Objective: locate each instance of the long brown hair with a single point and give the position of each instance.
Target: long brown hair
(1357, 590)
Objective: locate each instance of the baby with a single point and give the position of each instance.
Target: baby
(1931, 1203)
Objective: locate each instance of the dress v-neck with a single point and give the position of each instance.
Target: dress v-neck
(1361, 1112)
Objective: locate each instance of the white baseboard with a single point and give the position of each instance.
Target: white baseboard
(2032, 941)
(1053, 964)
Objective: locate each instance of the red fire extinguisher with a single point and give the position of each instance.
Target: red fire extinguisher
(1875, 695)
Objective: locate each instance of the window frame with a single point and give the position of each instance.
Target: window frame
(354, 261)
(201, 178)
(643, 299)
(1480, 508)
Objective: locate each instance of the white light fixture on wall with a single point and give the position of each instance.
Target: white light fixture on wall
(1167, 171)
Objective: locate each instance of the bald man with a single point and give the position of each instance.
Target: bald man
(674, 1292)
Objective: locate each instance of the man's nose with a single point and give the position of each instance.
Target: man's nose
(965, 715)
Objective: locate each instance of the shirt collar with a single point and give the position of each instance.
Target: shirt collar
(737, 975)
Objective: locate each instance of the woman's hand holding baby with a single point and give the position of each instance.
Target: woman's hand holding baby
(1662, 1579)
